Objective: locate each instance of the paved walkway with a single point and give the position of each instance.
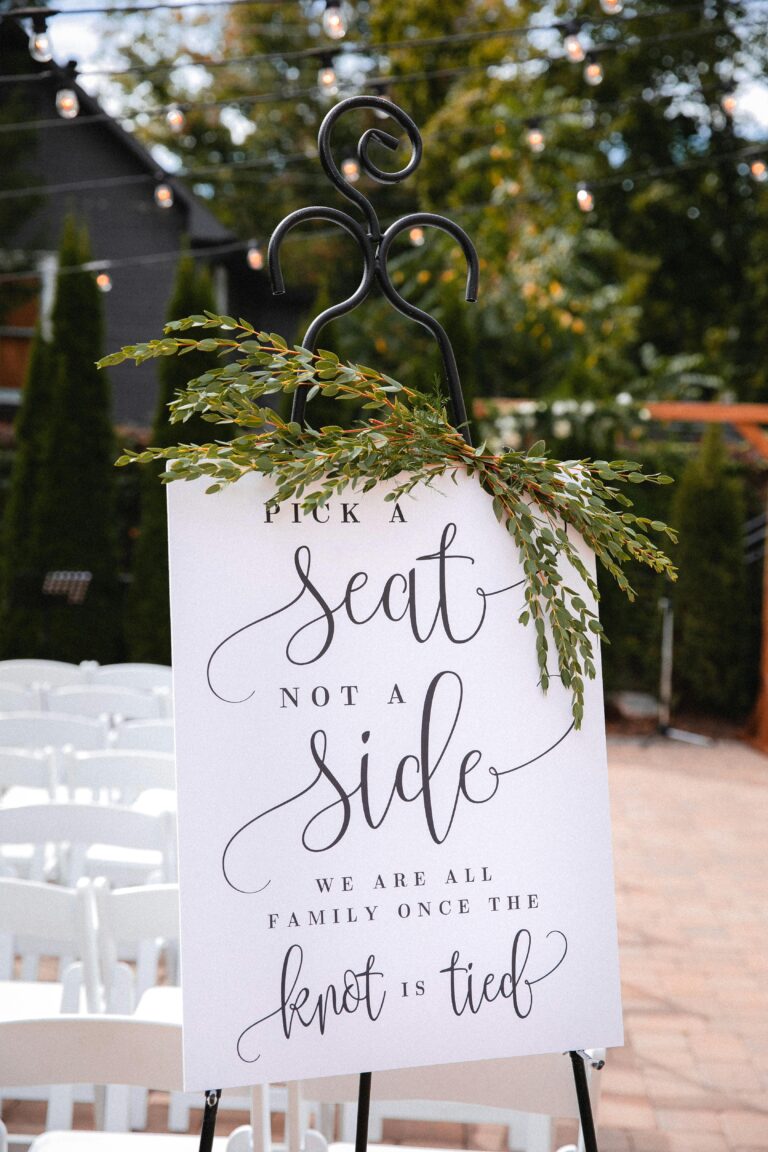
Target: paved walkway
(690, 836)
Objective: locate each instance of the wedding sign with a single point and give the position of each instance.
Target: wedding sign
(394, 847)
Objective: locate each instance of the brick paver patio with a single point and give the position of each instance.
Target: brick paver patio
(691, 864)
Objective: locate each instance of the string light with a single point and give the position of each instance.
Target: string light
(326, 77)
(255, 256)
(350, 169)
(534, 136)
(728, 103)
(104, 282)
(574, 49)
(335, 23)
(585, 198)
(416, 237)
(67, 103)
(164, 196)
(759, 170)
(40, 47)
(175, 119)
(593, 71)
(612, 7)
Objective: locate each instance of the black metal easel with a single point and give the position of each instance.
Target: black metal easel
(375, 245)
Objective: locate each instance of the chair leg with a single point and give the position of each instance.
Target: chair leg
(59, 1113)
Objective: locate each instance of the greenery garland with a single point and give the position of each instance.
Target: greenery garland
(535, 497)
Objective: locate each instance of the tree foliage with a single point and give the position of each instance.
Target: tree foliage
(148, 626)
(73, 514)
(708, 511)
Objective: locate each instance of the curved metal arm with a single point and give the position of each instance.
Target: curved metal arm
(375, 246)
(429, 219)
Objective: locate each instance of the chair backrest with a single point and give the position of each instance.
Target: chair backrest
(542, 1084)
(19, 698)
(22, 768)
(104, 700)
(79, 826)
(146, 676)
(119, 773)
(133, 921)
(147, 735)
(90, 1049)
(40, 918)
(49, 730)
(49, 672)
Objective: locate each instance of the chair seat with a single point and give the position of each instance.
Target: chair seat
(32, 999)
(123, 866)
(161, 1003)
(29, 999)
(119, 1142)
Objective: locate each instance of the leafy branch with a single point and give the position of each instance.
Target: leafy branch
(536, 498)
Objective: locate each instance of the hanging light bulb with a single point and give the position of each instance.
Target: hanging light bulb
(335, 23)
(534, 136)
(416, 237)
(67, 103)
(728, 103)
(326, 77)
(584, 198)
(350, 169)
(593, 71)
(612, 7)
(759, 170)
(104, 282)
(175, 119)
(164, 196)
(255, 256)
(40, 47)
(574, 49)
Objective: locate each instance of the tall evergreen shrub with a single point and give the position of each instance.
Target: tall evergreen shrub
(148, 615)
(73, 512)
(709, 598)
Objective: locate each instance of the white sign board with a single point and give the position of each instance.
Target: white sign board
(394, 848)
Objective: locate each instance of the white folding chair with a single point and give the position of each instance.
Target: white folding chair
(26, 777)
(144, 735)
(136, 924)
(50, 673)
(146, 676)
(51, 730)
(118, 775)
(104, 1050)
(19, 698)
(121, 843)
(46, 920)
(104, 700)
(524, 1093)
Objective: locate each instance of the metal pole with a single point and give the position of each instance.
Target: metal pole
(585, 1104)
(363, 1109)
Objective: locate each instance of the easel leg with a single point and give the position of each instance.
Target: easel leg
(585, 1104)
(212, 1097)
(363, 1108)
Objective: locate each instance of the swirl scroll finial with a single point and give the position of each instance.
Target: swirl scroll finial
(374, 244)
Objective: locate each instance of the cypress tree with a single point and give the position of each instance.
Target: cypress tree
(708, 511)
(74, 525)
(20, 573)
(148, 614)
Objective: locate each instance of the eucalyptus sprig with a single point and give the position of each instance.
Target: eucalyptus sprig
(535, 497)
